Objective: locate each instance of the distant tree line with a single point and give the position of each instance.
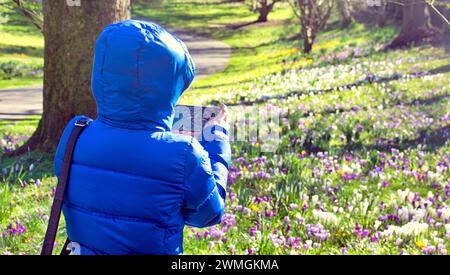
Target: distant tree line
(419, 19)
(70, 34)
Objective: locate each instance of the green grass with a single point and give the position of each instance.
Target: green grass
(20, 82)
(20, 127)
(250, 44)
(258, 49)
(255, 47)
(22, 44)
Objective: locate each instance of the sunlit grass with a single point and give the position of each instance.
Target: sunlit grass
(21, 44)
(21, 39)
(21, 82)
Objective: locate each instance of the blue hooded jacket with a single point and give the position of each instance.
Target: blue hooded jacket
(133, 184)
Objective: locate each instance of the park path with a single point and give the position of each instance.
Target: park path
(210, 56)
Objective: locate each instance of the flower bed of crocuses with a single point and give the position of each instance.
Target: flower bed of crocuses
(363, 170)
(358, 171)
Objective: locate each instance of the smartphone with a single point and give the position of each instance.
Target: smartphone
(189, 118)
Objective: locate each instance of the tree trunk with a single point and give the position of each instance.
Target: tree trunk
(446, 40)
(263, 13)
(344, 10)
(381, 13)
(313, 17)
(308, 39)
(70, 32)
(416, 24)
(306, 21)
(307, 44)
(264, 10)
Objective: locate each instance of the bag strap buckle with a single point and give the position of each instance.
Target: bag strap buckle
(82, 122)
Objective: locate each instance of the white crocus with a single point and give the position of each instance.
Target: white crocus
(314, 200)
(409, 230)
(326, 217)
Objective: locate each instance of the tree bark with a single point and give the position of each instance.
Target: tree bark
(416, 24)
(70, 33)
(263, 13)
(264, 9)
(388, 12)
(313, 17)
(308, 42)
(344, 10)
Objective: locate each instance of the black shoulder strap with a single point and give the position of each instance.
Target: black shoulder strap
(55, 213)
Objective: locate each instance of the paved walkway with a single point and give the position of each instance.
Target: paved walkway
(210, 56)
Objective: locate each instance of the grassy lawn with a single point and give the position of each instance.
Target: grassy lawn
(21, 52)
(360, 170)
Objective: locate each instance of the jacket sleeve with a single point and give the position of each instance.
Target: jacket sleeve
(206, 179)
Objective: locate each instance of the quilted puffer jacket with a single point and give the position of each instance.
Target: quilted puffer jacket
(133, 184)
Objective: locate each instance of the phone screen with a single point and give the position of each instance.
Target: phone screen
(192, 118)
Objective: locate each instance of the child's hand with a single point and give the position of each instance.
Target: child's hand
(222, 118)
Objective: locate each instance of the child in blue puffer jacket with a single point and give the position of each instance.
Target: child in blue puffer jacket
(134, 184)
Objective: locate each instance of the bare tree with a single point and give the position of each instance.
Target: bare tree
(32, 10)
(313, 15)
(262, 7)
(344, 8)
(70, 33)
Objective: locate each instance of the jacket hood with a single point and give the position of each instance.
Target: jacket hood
(140, 70)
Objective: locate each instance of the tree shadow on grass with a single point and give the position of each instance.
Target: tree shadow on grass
(178, 17)
(440, 70)
(369, 79)
(241, 25)
(28, 51)
(431, 139)
(421, 101)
